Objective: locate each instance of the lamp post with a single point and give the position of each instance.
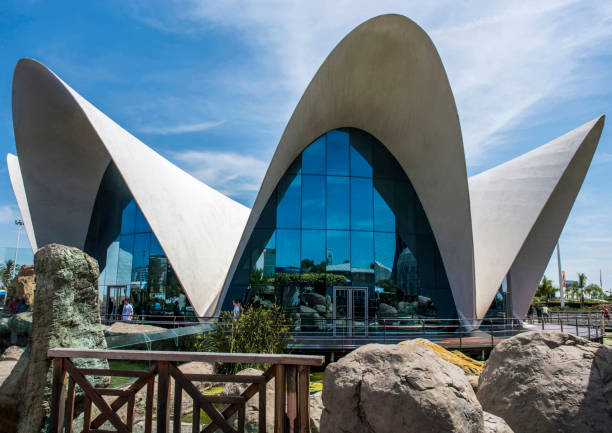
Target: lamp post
(19, 224)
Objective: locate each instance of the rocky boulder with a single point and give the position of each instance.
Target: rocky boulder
(316, 409)
(12, 353)
(494, 424)
(66, 314)
(547, 381)
(23, 285)
(392, 388)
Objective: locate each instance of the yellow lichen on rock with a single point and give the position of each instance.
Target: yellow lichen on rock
(469, 365)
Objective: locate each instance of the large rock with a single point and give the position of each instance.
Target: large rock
(66, 314)
(12, 353)
(494, 424)
(23, 285)
(316, 409)
(392, 388)
(548, 381)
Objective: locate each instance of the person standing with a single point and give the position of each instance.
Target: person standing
(128, 311)
(236, 310)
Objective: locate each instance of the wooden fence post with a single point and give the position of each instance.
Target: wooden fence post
(303, 398)
(58, 396)
(279, 399)
(163, 389)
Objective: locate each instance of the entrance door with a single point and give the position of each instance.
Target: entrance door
(116, 294)
(350, 311)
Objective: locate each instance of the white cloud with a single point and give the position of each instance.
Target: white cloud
(236, 175)
(179, 129)
(503, 58)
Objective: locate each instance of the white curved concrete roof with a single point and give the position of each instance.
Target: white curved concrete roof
(387, 79)
(519, 209)
(65, 144)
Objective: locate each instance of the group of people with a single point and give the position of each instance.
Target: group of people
(541, 311)
(17, 306)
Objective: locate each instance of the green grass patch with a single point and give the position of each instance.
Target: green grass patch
(120, 382)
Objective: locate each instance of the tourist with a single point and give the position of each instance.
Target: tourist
(177, 311)
(13, 306)
(545, 312)
(606, 312)
(539, 311)
(111, 309)
(22, 307)
(531, 313)
(128, 311)
(236, 310)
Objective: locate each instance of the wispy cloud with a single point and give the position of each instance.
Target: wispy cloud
(236, 175)
(180, 128)
(503, 63)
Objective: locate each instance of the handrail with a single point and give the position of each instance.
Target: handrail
(141, 355)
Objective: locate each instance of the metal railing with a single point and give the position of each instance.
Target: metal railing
(349, 333)
(291, 391)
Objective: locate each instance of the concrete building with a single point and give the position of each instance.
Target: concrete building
(366, 203)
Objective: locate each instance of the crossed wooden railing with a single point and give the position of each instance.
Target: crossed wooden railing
(291, 391)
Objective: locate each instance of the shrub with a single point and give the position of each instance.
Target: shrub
(258, 330)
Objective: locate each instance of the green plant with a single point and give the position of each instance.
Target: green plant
(545, 288)
(6, 269)
(258, 330)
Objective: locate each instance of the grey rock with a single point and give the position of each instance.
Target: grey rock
(308, 312)
(393, 388)
(12, 353)
(547, 381)
(66, 314)
(321, 309)
(424, 302)
(314, 299)
(316, 409)
(495, 424)
(23, 285)
(386, 310)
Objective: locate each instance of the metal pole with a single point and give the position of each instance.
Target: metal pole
(561, 294)
(18, 223)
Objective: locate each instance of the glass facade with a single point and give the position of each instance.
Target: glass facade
(132, 262)
(344, 215)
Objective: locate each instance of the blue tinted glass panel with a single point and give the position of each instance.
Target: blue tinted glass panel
(338, 250)
(287, 250)
(141, 250)
(156, 249)
(425, 256)
(362, 250)
(338, 208)
(126, 255)
(407, 273)
(313, 250)
(128, 217)
(338, 153)
(288, 212)
(263, 255)
(313, 202)
(313, 157)
(296, 166)
(384, 251)
(141, 223)
(361, 204)
(384, 218)
(361, 154)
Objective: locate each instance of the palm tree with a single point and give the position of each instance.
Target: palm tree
(6, 269)
(545, 288)
(582, 278)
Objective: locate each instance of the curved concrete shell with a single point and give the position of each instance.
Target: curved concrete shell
(518, 212)
(22, 200)
(65, 145)
(386, 78)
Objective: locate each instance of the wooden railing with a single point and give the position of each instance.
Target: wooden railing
(291, 394)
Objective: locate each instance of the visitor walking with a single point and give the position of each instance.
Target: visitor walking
(236, 310)
(111, 309)
(531, 313)
(128, 311)
(539, 312)
(177, 312)
(545, 312)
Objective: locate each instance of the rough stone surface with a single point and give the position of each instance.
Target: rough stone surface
(252, 406)
(12, 353)
(66, 314)
(494, 424)
(392, 388)
(23, 285)
(549, 381)
(316, 409)
(122, 328)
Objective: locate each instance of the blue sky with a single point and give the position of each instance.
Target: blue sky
(211, 85)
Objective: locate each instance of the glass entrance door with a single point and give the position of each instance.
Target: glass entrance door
(350, 311)
(114, 301)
